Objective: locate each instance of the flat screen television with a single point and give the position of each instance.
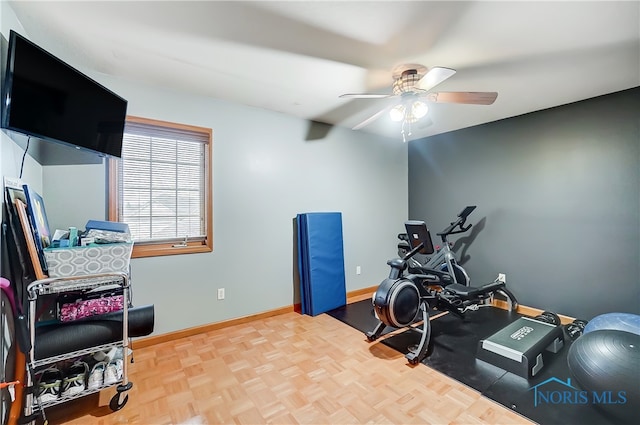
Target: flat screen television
(46, 98)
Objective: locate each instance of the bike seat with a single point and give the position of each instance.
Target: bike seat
(462, 291)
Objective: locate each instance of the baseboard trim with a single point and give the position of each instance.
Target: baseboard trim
(530, 311)
(183, 333)
(352, 297)
(360, 294)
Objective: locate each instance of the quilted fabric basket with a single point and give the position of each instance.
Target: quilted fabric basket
(92, 259)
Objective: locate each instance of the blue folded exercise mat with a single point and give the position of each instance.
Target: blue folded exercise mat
(320, 262)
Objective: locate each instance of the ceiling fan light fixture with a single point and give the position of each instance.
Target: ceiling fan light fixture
(397, 113)
(419, 109)
(409, 112)
(409, 118)
(412, 84)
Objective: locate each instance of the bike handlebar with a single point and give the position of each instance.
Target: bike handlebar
(466, 211)
(462, 218)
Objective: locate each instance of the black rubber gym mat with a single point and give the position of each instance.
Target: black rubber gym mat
(454, 341)
(358, 315)
(453, 352)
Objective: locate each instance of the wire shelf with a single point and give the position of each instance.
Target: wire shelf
(78, 353)
(75, 283)
(64, 398)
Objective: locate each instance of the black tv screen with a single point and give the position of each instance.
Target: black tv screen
(48, 99)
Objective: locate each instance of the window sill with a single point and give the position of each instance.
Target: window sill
(158, 250)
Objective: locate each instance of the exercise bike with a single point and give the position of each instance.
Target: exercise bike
(443, 258)
(402, 296)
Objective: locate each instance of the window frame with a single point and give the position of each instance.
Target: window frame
(156, 249)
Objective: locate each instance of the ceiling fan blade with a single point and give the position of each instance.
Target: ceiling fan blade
(365, 95)
(434, 76)
(469, 97)
(371, 119)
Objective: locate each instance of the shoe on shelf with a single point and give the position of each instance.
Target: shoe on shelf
(49, 385)
(112, 354)
(113, 372)
(96, 377)
(75, 380)
(99, 356)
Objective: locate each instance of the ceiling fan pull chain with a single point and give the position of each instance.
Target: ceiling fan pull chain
(405, 134)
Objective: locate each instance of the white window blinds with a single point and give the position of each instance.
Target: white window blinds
(161, 183)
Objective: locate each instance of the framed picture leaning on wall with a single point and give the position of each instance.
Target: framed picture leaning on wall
(39, 222)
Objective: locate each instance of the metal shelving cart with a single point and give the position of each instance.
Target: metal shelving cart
(59, 285)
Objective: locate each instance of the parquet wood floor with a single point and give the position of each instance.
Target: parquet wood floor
(287, 369)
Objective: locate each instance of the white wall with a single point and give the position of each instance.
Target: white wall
(73, 194)
(265, 172)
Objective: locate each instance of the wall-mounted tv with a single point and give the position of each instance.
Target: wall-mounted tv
(48, 99)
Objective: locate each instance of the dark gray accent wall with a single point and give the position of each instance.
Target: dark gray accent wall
(558, 196)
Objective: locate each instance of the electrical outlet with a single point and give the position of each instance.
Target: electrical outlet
(221, 293)
(358, 270)
(502, 277)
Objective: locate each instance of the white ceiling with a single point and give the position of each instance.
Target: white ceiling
(297, 57)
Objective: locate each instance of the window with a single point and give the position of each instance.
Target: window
(161, 187)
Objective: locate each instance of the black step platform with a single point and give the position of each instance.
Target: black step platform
(522, 347)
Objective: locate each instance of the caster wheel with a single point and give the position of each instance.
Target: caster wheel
(115, 404)
(371, 338)
(413, 361)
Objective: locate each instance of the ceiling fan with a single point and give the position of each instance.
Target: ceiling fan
(411, 85)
